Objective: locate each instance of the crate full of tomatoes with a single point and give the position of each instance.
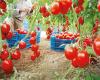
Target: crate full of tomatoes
(59, 41)
(13, 38)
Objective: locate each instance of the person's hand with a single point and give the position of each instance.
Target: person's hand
(24, 10)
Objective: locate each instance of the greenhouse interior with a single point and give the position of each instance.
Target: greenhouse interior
(49, 39)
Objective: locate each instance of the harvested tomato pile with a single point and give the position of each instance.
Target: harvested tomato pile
(67, 35)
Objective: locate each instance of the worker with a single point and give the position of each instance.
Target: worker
(23, 8)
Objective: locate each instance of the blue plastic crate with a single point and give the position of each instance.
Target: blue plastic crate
(22, 36)
(18, 37)
(26, 40)
(57, 49)
(38, 37)
(13, 41)
(59, 44)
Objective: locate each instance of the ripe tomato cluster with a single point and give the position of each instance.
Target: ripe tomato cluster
(21, 31)
(49, 32)
(44, 11)
(81, 58)
(34, 46)
(78, 58)
(6, 31)
(61, 6)
(7, 58)
(57, 7)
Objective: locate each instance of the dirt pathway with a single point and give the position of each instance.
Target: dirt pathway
(50, 65)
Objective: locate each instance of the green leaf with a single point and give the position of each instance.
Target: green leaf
(90, 50)
(96, 77)
(88, 77)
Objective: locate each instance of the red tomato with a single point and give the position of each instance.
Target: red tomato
(81, 20)
(20, 31)
(33, 34)
(83, 59)
(68, 37)
(75, 63)
(43, 9)
(64, 7)
(4, 10)
(5, 28)
(95, 29)
(22, 45)
(98, 6)
(3, 4)
(3, 36)
(55, 8)
(81, 7)
(4, 55)
(37, 53)
(16, 55)
(7, 66)
(32, 40)
(96, 45)
(24, 32)
(88, 41)
(69, 3)
(49, 30)
(46, 14)
(77, 10)
(80, 2)
(35, 47)
(4, 46)
(48, 37)
(71, 53)
(84, 45)
(33, 57)
(9, 35)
